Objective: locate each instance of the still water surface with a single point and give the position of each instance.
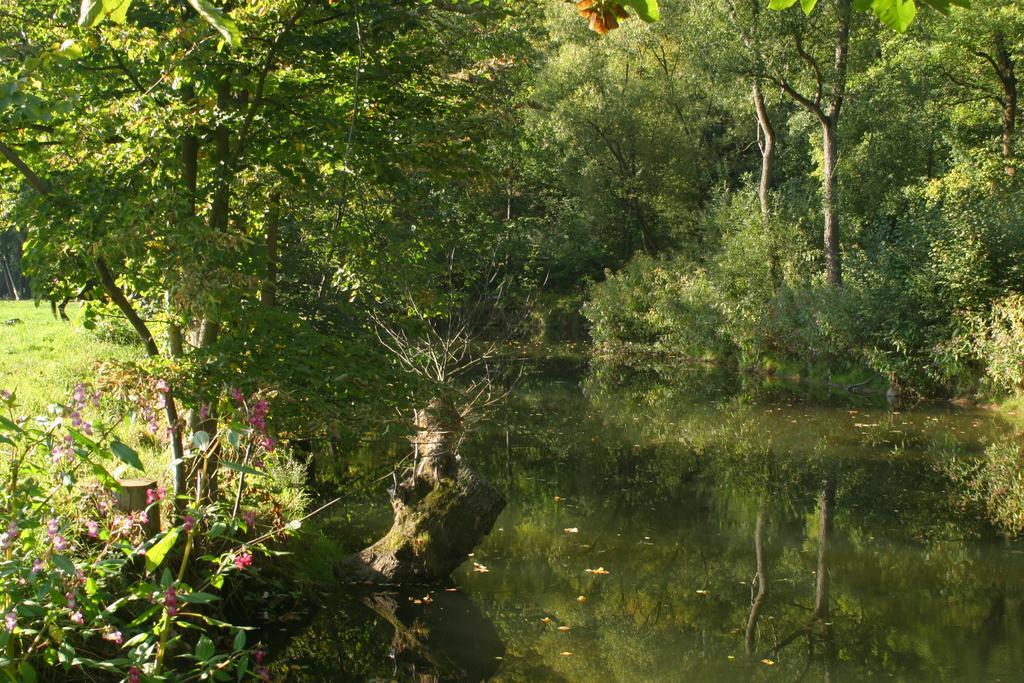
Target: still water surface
(693, 529)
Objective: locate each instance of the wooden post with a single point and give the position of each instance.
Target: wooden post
(132, 498)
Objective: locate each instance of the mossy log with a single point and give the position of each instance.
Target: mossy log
(443, 509)
(432, 536)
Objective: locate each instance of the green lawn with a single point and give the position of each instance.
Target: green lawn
(41, 359)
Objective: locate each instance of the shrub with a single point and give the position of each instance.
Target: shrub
(999, 343)
(659, 305)
(82, 585)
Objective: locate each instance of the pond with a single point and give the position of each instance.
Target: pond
(689, 527)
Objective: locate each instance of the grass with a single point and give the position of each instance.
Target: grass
(41, 360)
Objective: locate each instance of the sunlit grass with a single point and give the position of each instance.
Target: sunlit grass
(41, 359)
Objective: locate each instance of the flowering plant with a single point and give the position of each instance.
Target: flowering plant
(87, 584)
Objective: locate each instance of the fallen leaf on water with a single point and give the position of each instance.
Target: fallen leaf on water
(572, 530)
(558, 498)
(546, 620)
(599, 570)
(427, 599)
(768, 662)
(563, 628)
(477, 567)
(565, 654)
(701, 591)
(581, 599)
(731, 657)
(451, 590)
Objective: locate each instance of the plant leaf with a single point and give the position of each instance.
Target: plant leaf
(127, 455)
(645, 9)
(239, 467)
(90, 13)
(155, 555)
(219, 20)
(117, 10)
(204, 649)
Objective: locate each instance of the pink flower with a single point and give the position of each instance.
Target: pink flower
(257, 655)
(76, 418)
(268, 444)
(52, 527)
(250, 519)
(77, 618)
(87, 428)
(70, 597)
(37, 566)
(162, 386)
(204, 411)
(134, 676)
(153, 495)
(237, 395)
(11, 620)
(188, 523)
(114, 637)
(171, 601)
(92, 528)
(60, 544)
(243, 560)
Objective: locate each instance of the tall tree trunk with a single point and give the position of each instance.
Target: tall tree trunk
(1006, 70)
(209, 329)
(175, 342)
(766, 140)
(830, 146)
(268, 296)
(829, 198)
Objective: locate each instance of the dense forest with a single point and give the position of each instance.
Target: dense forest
(300, 225)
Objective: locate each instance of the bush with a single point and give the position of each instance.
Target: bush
(84, 585)
(659, 305)
(109, 324)
(999, 343)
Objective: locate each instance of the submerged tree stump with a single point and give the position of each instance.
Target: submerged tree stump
(431, 538)
(443, 510)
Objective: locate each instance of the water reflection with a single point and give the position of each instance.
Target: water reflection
(747, 533)
(426, 636)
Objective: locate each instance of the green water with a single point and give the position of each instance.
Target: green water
(678, 489)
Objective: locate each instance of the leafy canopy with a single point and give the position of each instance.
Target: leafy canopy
(896, 14)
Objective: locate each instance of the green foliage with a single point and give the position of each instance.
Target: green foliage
(71, 585)
(999, 344)
(896, 14)
(662, 306)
